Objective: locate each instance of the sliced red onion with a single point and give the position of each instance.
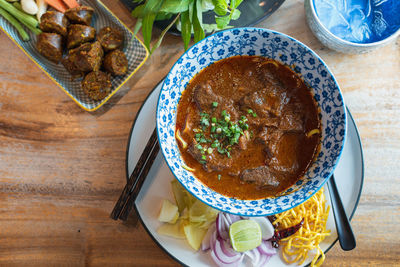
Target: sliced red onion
(223, 264)
(205, 244)
(213, 239)
(222, 226)
(217, 238)
(233, 218)
(227, 248)
(221, 259)
(266, 248)
(264, 259)
(267, 229)
(224, 254)
(254, 256)
(226, 220)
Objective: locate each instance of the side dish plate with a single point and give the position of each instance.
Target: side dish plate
(135, 52)
(349, 176)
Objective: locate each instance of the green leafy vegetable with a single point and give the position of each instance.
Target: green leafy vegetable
(158, 43)
(174, 6)
(187, 15)
(221, 7)
(147, 28)
(186, 28)
(197, 21)
(138, 12)
(222, 22)
(138, 25)
(235, 14)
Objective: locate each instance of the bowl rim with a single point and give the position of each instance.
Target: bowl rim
(352, 44)
(249, 200)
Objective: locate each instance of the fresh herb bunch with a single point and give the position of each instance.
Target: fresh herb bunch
(186, 14)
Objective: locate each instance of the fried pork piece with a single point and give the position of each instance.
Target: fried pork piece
(116, 63)
(54, 21)
(97, 85)
(50, 46)
(85, 58)
(71, 68)
(79, 34)
(80, 15)
(110, 38)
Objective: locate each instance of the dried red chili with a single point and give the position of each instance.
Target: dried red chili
(280, 234)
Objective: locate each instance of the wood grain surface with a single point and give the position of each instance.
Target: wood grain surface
(62, 169)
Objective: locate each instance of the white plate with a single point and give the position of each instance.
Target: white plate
(349, 176)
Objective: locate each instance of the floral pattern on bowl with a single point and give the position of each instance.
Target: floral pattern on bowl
(275, 45)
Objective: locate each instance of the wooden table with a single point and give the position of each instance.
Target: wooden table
(62, 169)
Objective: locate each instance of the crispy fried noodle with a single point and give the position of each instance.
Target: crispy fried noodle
(296, 248)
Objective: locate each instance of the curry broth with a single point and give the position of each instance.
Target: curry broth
(232, 81)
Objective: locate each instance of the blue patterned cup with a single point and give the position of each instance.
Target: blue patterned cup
(288, 51)
(354, 26)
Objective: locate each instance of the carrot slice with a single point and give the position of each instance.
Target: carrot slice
(57, 4)
(71, 3)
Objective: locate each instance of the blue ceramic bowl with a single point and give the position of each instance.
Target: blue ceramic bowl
(280, 47)
(354, 26)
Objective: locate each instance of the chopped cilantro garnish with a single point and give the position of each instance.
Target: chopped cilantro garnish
(221, 133)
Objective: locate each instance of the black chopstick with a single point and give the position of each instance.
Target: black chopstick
(139, 182)
(135, 176)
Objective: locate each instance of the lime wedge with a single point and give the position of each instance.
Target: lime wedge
(245, 235)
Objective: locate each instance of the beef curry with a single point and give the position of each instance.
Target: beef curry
(247, 127)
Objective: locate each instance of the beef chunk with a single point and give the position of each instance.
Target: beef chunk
(269, 71)
(218, 162)
(265, 102)
(291, 121)
(204, 96)
(269, 121)
(214, 161)
(192, 149)
(261, 176)
(269, 137)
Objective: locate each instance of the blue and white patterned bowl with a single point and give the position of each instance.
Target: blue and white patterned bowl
(267, 43)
